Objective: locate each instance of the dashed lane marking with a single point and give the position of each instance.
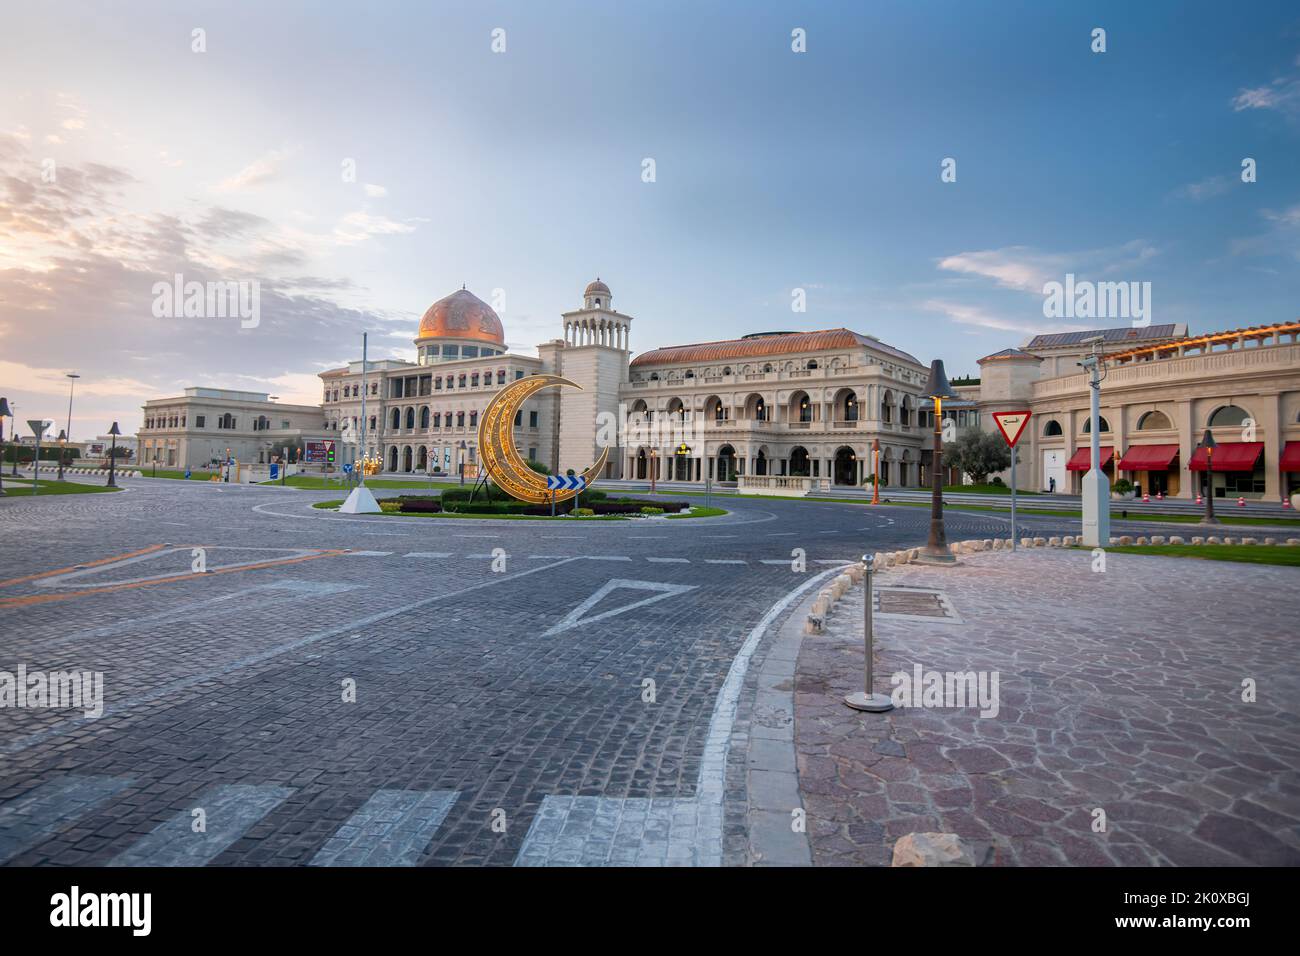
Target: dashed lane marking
(723, 561)
(427, 554)
(670, 560)
(36, 816)
(368, 554)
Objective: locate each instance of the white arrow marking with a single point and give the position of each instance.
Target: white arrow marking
(574, 617)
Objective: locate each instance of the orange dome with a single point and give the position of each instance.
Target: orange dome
(462, 315)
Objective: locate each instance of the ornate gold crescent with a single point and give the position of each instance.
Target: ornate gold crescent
(496, 442)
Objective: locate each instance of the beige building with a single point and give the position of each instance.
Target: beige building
(205, 425)
(1162, 390)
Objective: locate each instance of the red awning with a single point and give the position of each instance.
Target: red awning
(1230, 456)
(1291, 456)
(1148, 457)
(1082, 459)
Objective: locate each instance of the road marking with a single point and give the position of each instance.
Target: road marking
(476, 535)
(13, 746)
(540, 557)
(428, 554)
(625, 831)
(836, 560)
(608, 557)
(670, 560)
(392, 828)
(229, 810)
(167, 579)
(785, 561)
(782, 534)
(575, 617)
(34, 817)
(723, 561)
(88, 564)
(722, 536)
(369, 554)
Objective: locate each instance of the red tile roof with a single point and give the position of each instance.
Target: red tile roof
(757, 346)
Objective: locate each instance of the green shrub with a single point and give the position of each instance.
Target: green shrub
(996, 480)
(1123, 486)
(584, 512)
(652, 510)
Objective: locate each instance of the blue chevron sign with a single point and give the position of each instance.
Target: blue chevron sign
(566, 483)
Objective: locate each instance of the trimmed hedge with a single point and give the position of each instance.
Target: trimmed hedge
(456, 500)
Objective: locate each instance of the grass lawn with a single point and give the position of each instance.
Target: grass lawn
(984, 490)
(1245, 553)
(321, 483)
(23, 486)
(695, 513)
(148, 472)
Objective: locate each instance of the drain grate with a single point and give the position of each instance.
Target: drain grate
(914, 604)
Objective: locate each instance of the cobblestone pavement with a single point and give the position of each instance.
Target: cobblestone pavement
(501, 716)
(1118, 691)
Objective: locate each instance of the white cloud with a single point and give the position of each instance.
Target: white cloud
(260, 170)
(359, 226)
(1015, 267)
(1205, 189)
(965, 314)
(73, 123)
(375, 192)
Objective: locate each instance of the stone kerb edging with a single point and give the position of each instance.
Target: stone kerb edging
(883, 560)
(100, 472)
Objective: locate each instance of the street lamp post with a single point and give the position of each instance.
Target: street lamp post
(654, 468)
(4, 410)
(72, 384)
(63, 444)
(875, 471)
(1096, 486)
(936, 548)
(1209, 444)
(461, 449)
(112, 456)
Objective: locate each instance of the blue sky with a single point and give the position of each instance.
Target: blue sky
(521, 171)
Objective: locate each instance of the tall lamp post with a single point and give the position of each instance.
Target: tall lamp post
(72, 384)
(1096, 486)
(63, 443)
(461, 450)
(4, 410)
(936, 549)
(1209, 444)
(13, 433)
(112, 456)
(875, 471)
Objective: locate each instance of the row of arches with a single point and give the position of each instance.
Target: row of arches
(799, 408)
(843, 467)
(1225, 416)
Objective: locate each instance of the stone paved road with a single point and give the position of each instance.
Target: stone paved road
(499, 716)
(1119, 691)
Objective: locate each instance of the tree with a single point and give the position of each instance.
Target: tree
(978, 454)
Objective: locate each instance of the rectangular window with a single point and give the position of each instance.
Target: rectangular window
(532, 454)
(200, 421)
(469, 351)
(532, 419)
(450, 351)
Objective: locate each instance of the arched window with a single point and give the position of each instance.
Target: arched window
(397, 418)
(654, 376)
(1087, 424)
(812, 364)
(727, 371)
(760, 410)
(473, 419)
(689, 374)
(424, 417)
(460, 419)
(501, 376)
(410, 418)
(767, 367)
(437, 419)
(1153, 420)
(1052, 428)
(1228, 415)
(473, 380)
(460, 382)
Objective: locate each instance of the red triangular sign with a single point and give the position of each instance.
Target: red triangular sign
(1011, 425)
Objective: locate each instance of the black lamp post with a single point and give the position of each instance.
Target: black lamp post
(1209, 444)
(63, 443)
(936, 548)
(112, 456)
(461, 448)
(4, 410)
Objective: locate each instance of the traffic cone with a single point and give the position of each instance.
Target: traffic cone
(1241, 502)
(1145, 497)
(1198, 499)
(1160, 496)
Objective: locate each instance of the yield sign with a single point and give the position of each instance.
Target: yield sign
(1011, 424)
(661, 591)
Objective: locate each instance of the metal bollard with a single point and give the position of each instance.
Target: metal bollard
(867, 699)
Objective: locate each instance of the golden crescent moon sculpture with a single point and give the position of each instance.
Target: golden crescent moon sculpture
(496, 442)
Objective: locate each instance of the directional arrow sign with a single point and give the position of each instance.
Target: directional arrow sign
(575, 617)
(1011, 424)
(566, 483)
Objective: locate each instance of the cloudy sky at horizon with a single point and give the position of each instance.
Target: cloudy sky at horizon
(522, 171)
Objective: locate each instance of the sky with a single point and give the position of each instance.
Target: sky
(360, 161)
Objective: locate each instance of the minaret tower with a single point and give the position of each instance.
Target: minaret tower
(594, 353)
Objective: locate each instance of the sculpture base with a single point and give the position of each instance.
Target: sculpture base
(871, 703)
